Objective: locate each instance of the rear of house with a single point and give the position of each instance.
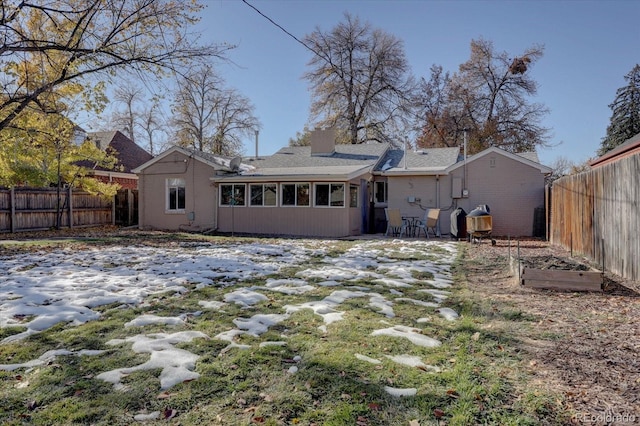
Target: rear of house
(329, 190)
(512, 185)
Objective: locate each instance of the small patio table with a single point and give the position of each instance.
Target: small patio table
(411, 224)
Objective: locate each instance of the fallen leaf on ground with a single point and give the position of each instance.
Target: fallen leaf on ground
(169, 413)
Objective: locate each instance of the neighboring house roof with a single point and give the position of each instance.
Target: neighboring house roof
(528, 158)
(129, 154)
(215, 161)
(425, 161)
(629, 147)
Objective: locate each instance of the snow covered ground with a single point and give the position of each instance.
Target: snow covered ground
(65, 286)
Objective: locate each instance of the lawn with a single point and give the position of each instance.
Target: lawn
(155, 328)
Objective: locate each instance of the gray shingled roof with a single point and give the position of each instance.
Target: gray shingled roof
(300, 157)
(531, 156)
(431, 159)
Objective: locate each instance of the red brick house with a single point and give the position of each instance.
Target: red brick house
(129, 157)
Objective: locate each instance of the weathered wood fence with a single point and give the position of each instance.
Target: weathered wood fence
(597, 214)
(31, 209)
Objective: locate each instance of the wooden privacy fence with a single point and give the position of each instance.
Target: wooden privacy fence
(597, 213)
(31, 209)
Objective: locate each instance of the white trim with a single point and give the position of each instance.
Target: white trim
(167, 200)
(233, 185)
(182, 151)
(262, 185)
(120, 175)
(329, 206)
(495, 150)
(282, 185)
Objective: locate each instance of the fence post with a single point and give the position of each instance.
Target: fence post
(114, 203)
(129, 207)
(70, 203)
(12, 203)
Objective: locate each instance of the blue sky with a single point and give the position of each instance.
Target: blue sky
(589, 47)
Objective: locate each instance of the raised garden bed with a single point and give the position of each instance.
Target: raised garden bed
(554, 273)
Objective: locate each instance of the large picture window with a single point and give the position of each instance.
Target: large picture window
(263, 195)
(175, 195)
(295, 194)
(232, 195)
(329, 194)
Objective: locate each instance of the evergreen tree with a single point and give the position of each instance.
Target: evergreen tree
(625, 117)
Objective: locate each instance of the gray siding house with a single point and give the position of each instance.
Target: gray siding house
(329, 190)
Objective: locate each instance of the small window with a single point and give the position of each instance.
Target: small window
(329, 194)
(353, 196)
(232, 195)
(175, 195)
(263, 195)
(381, 192)
(295, 194)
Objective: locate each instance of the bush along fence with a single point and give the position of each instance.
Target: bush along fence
(33, 209)
(597, 213)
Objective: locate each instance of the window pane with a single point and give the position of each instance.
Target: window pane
(181, 198)
(337, 195)
(303, 194)
(381, 192)
(256, 195)
(322, 195)
(173, 198)
(270, 198)
(225, 194)
(239, 195)
(353, 196)
(288, 195)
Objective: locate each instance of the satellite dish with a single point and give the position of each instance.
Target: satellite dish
(234, 164)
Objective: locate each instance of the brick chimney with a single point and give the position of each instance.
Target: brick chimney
(323, 142)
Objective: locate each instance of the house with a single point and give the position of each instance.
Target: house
(129, 156)
(512, 185)
(630, 147)
(313, 190)
(329, 190)
(176, 191)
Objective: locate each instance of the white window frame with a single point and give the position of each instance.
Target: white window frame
(385, 191)
(263, 185)
(354, 188)
(296, 185)
(233, 190)
(330, 201)
(175, 184)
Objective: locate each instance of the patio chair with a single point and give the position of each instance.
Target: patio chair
(430, 221)
(395, 224)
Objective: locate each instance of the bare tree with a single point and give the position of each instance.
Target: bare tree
(151, 124)
(359, 80)
(127, 95)
(211, 117)
(84, 39)
(488, 97)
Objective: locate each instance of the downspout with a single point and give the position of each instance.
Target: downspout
(465, 160)
(404, 154)
(438, 203)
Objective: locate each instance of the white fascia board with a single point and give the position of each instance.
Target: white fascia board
(493, 150)
(181, 150)
(435, 171)
(298, 177)
(112, 174)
